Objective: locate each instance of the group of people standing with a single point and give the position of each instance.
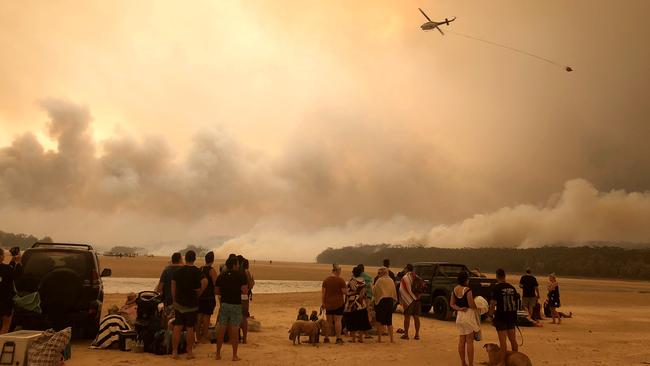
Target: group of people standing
(189, 294)
(530, 296)
(351, 306)
(503, 306)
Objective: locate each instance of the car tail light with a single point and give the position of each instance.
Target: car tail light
(95, 276)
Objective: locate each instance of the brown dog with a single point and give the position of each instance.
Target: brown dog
(512, 358)
(310, 328)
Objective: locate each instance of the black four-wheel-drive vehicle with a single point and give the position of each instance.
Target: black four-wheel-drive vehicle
(69, 284)
(440, 278)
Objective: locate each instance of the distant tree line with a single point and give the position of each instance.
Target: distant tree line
(23, 241)
(584, 261)
(126, 251)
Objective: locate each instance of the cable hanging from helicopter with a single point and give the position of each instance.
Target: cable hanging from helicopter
(430, 25)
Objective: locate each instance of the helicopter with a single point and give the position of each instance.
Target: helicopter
(434, 25)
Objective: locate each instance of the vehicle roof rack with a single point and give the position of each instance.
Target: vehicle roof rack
(41, 244)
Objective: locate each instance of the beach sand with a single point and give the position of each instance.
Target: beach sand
(150, 267)
(611, 326)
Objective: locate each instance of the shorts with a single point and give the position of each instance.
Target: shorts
(245, 306)
(338, 311)
(506, 323)
(206, 306)
(529, 302)
(7, 307)
(384, 311)
(414, 309)
(188, 320)
(230, 315)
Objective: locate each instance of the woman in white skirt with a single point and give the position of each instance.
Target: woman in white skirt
(467, 324)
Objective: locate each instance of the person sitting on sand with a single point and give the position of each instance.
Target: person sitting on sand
(467, 320)
(333, 301)
(503, 309)
(164, 286)
(230, 286)
(410, 301)
(554, 297)
(384, 296)
(314, 316)
(302, 314)
(187, 285)
(130, 309)
(207, 301)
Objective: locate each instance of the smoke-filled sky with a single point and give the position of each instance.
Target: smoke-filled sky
(291, 126)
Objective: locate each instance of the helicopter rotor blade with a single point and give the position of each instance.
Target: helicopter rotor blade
(423, 13)
(440, 30)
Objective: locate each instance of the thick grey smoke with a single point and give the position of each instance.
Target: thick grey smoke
(579, 214)
(335, 174)
(339, 183)
(143, 176)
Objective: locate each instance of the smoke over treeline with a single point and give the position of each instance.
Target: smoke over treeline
(368, 181)
(597, 260)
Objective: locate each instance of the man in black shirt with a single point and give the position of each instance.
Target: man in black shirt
(165, 284)
(7, 292)
(503, 308)
(231, 285)
(187, 285)
(530, 295)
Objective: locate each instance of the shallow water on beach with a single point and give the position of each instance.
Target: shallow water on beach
(122, 285)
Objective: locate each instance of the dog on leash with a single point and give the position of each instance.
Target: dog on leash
(512, 358)
(306, 327)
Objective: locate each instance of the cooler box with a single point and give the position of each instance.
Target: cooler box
(13, 346)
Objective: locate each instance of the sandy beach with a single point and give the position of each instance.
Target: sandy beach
(611, 326)
(143, 267)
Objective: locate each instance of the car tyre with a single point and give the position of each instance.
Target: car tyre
(441, 308)
(90, 329)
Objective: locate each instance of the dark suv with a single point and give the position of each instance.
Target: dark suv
(440, 278)
(69, 284)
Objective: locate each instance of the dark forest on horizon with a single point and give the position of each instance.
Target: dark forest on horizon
(23, 241)
(583, 261)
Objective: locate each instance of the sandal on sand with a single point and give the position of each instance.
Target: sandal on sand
(405, 336)
(339, 341)
(417, 337)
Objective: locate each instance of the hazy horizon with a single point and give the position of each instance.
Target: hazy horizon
(292, 127)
